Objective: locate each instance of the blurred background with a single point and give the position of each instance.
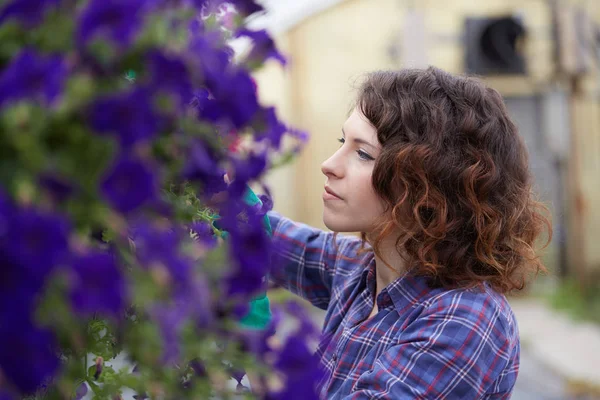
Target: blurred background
(543, 56)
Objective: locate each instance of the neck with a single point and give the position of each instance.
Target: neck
(383, 273)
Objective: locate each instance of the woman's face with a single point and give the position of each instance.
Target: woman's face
(350, 203)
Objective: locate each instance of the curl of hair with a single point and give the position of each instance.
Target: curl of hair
(454, 174)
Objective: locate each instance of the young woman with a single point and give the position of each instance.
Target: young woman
(433, 173)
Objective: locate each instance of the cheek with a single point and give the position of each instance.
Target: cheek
(368, 197)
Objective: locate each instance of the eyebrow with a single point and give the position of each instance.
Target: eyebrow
(361, 141)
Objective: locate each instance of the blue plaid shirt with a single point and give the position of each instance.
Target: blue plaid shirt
(423, 343)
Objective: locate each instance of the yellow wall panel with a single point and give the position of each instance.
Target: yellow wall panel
(331, 50)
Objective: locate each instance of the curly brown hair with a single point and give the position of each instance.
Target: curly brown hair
(454, 173)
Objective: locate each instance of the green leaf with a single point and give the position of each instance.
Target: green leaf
(13, 38)
(97, 325)
(91, 371)
(79, 91)
(55, 34)
(93, 385)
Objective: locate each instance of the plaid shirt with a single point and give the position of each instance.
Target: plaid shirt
(423, 343)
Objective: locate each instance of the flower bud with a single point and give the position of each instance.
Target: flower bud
(99, 365)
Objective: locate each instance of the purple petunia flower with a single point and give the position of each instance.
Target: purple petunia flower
(130, 116)
(191, 303)
(7, 209)
(28, 355)
(302, 136)
(5, 395)
(307, 327)
(99, 286)
(246, 7)
(31, 76)
(206, 50)
(245, 171)
(129, 185)
(196, 27)
(267, 203)
(233, 99)
(202, 166)
(158, 245)
(119, 20)
(270, 127)
(170, 320)
(170, 74)
(245, 281)
(18, 294)
(28, 12)
(162, 4)
(197, 294)
(249, 168)
(81, 391)
(249, 247)
(263, 46)
(204, 233)
(32, 243)
(154, 243)
(301, 370)
(37, 241)
(198, 367)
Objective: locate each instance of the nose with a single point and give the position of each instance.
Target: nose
(332, 167)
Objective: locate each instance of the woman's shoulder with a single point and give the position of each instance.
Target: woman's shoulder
(475, 306)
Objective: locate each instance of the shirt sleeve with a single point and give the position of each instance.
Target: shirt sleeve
(303, 259)
(456, 350)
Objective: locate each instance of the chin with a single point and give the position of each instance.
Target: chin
(330, 226)
(337, 224)
(330, 222)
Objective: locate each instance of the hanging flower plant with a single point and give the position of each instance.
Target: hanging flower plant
(118, 120)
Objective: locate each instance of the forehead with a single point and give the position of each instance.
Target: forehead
(357, 126)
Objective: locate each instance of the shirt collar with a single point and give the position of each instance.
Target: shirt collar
(405, 292)
(370, 281)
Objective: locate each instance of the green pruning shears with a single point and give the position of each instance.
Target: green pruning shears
(259, 314)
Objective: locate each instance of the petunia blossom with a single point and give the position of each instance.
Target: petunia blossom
(117, 20)
(28, 12)
(130, 116)
(32, 76)
(99, 285)
(128, 185)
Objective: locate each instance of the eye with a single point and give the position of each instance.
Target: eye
(342, 140)
(364, 156)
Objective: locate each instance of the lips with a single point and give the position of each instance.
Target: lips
(331, 192)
